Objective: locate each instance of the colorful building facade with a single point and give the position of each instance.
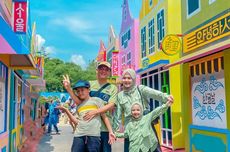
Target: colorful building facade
(16, 58)
(160, 25)
(206, 81)
(113, 55)
(101, 52)
(128, 40)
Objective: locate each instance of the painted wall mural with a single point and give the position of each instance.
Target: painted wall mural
(208, 100)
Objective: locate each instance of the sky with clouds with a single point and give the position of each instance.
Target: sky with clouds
(72, 29)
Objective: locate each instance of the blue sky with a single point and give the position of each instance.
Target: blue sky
(72, 29)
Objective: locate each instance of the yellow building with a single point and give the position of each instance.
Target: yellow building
(161, 20)
(206, 81)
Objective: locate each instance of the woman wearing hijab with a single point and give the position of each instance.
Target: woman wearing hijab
(132, 93)
(138, 130)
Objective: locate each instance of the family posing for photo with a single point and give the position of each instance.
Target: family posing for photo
(96, 100)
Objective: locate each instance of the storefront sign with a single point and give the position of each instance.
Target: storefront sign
(208, 100)
(20, 17)
(115, 63)
(215, 30)
(171, 45)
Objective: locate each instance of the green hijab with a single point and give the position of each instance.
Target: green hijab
(132, 73)
(141, 111)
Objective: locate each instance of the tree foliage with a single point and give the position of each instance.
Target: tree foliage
(56, 68)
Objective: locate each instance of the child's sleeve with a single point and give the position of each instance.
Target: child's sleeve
(154, 94)
(99, 102)
(157, 112)
(122, 135)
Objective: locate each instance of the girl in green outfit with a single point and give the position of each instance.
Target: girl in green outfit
(132, 93)
(139, 129)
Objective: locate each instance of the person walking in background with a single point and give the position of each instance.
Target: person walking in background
(102, 89)
(133, 93)
(46, 116)
(53, 116)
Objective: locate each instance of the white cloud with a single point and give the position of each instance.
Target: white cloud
(79, 60)
(40, 41)
(81, 28)
(50, 50)
(73, 23)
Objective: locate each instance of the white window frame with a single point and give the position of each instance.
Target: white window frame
(128, 57)
(151, 48)
(143, 43)
(125, 39)
(123, 59)
(195, 12)
(150, 3)
(163, 28)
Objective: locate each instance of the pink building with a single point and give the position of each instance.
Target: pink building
(101, 53)
(129, 41)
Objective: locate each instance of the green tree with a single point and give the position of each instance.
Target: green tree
(55, 68)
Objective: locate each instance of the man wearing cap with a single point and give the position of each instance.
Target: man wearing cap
(102, 89)
(87, 136)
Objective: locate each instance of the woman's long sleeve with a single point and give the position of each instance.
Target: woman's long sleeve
(117, 116)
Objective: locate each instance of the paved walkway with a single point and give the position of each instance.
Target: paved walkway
(63, 142)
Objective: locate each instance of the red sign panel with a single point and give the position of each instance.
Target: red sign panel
(20, 17)
(115, 64)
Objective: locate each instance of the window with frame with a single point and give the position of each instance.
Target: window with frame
(150, 2)
(125, 38)
(109, 55)
(151, 36)
(128, 58)
(3, 98)
(193, 6)
(123, 60)
(143, 42)
(160, 27)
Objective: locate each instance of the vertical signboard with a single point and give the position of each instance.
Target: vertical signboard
(115, 63)
(20, 17)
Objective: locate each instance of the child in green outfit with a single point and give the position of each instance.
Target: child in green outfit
(139, 129)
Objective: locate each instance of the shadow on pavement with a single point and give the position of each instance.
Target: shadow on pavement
(45, 144)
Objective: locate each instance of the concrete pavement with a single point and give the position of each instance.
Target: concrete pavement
(63, 142)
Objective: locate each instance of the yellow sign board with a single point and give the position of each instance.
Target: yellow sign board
(171, 44)
(213, 31)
